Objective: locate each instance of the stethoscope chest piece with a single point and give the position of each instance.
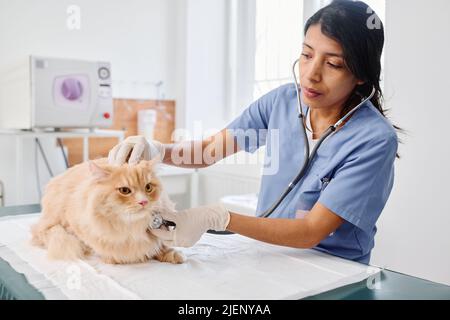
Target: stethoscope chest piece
(158, 222)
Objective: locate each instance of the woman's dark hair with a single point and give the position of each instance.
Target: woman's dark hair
(361, 34)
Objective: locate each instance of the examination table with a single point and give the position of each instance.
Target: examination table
(218, 267)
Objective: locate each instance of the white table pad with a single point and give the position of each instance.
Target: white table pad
(218, 267)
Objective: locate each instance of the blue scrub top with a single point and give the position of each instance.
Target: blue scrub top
(352, 173)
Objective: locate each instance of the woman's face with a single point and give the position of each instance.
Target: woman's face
(325, 80)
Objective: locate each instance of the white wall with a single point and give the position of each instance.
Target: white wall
(414, 235)
(180, 42)
(206, 63)
(139, 37)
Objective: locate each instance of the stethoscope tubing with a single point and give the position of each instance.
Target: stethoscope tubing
(308, 158)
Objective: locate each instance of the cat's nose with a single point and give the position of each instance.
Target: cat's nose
(143, 202)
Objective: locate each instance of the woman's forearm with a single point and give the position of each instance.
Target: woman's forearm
(187, 154)
(202, 153)
(295, 233)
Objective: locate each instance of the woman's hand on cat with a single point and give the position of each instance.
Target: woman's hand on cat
(140, 149)
(191, 224)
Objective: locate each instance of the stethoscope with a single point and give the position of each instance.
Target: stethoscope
(307, 156)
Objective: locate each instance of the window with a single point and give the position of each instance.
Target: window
(278, 38)
(265, 38)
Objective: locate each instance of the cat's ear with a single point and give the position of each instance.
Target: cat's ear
(98, 173)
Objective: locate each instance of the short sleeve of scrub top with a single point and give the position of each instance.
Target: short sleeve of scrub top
(250, 129)
(352, 174)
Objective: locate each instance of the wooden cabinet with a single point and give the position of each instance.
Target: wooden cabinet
(125, 118)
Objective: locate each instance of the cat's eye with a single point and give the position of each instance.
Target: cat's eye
(124, 190)
(149, 187)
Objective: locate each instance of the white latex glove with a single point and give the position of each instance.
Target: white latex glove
(140, 149)
(191, 224)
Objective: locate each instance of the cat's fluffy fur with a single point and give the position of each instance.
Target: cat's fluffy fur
(83, 210)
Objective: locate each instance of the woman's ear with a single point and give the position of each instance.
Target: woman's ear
(98, 173)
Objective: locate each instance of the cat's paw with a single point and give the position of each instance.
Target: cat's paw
(109, 260)
(125, 260)
(62, 245)
(171, 256)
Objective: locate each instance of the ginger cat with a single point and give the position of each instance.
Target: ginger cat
(106, 209)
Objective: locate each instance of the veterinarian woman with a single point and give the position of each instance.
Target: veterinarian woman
(335, 206)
